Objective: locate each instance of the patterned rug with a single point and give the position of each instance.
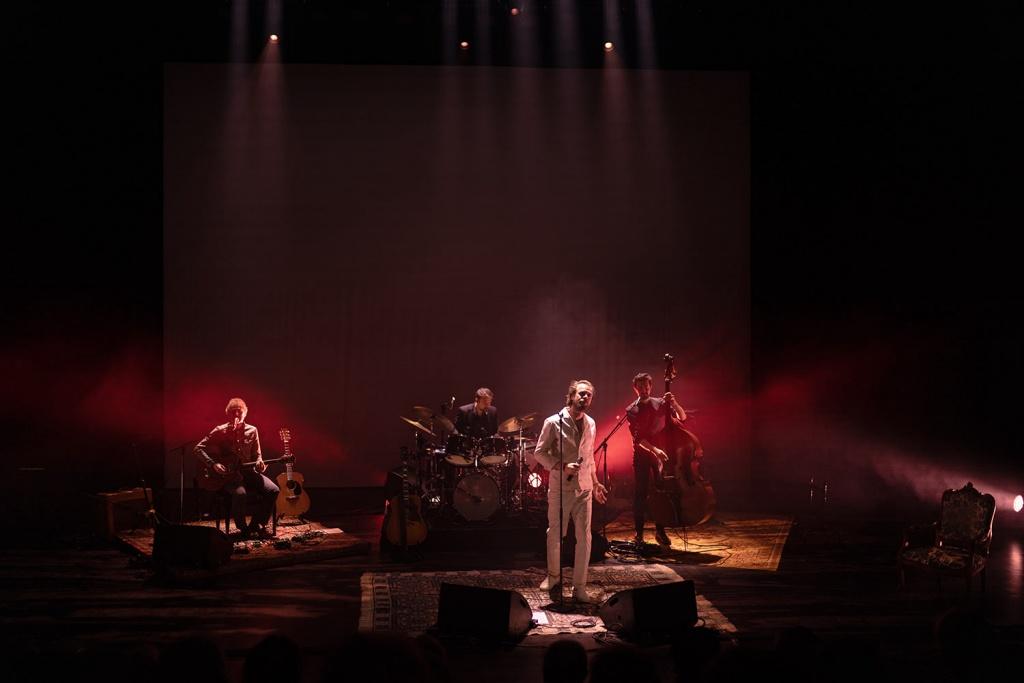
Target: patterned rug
(406, 602)
(727, 540)
(295, 543)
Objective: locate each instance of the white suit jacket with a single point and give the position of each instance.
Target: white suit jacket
(573, 446)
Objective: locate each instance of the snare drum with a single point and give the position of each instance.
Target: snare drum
(493, 450)
(459, 450)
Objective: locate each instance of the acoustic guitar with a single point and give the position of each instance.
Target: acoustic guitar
(210, 479)
(293, 499)
(403, 521)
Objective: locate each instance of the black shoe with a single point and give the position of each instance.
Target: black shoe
(662, 538)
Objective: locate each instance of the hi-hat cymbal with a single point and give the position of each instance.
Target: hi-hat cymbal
(417, 425)
(514, 424)
(425, 414)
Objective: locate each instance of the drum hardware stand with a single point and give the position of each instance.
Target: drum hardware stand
(518, 494)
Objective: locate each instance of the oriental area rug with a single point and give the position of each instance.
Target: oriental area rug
(406, 602)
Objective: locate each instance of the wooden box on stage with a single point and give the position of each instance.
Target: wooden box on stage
(121, 510)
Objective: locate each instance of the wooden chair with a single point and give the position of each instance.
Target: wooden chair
(956, 545)
(221, 510)
(217, 505)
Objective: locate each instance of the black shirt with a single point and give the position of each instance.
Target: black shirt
(469, 423)
(646, 419)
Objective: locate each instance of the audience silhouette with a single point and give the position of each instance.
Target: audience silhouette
(565, 661)
(275, 659)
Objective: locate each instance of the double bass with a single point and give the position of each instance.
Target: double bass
(681, 495)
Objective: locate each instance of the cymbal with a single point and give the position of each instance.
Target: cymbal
(425, 414)
(417, 425)
(514, 424)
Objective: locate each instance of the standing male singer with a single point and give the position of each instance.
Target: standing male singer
(227, 446)
(566, 447)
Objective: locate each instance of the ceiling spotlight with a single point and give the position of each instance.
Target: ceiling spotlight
(464, 45)
(514, 11)
(273, 37)
(1018, 503)
(608, 47)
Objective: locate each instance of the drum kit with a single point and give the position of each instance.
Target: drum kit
(476, 477)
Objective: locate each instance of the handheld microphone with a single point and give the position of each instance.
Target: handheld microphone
(579, 461)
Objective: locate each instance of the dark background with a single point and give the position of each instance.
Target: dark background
(885, 332)
(400, 235)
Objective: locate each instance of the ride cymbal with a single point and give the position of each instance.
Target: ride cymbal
(514, 424)
(417, 425)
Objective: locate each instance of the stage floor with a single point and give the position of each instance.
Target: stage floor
(836, 577)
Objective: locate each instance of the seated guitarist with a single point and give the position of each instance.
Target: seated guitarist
(226, 447)
(647, 418)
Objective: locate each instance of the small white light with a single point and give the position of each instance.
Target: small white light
(273, 37)
(535, 481)
(464, 45)
(514, 11)
(608, 47)
(1018, 503)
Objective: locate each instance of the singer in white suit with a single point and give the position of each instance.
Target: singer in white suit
(566, 448)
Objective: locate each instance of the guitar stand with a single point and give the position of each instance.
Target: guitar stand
(279, 516)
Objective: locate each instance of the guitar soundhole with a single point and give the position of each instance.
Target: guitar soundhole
(295, 488)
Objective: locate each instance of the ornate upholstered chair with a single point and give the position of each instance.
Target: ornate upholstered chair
(956, 545)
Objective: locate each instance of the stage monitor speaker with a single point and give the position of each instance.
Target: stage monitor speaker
(651, 609)
(484, 612)
(196, 547)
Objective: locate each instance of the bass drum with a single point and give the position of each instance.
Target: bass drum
(476, 497)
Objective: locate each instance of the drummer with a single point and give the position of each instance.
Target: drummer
(479, 418)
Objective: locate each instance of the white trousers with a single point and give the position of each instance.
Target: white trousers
(576, 506)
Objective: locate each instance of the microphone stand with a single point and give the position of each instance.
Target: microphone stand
(562, 478)
(561, 509)
(604, 446)
(181, 481)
